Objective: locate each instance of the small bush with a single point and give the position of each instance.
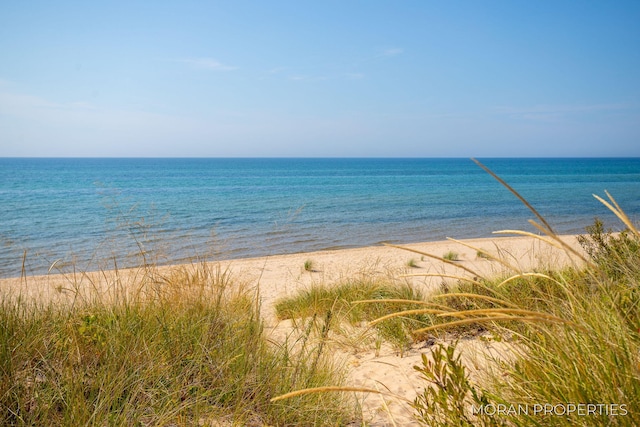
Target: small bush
(449, 397)
(615, 256)
(309, 266)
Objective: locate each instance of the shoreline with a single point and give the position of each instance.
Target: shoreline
(232, 208)
(276, 276)
(279, 275)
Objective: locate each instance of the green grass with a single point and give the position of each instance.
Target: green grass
(480, 254)
(581, 338)
(356, 301)
(451, 256)
(189, 349)
(412, 263)
(309, 265)
(191, 352)
(574, 335)
(591, 354)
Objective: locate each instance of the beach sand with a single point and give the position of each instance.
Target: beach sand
(282, 275)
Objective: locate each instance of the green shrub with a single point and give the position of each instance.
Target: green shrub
(449, 398)
(616, 256)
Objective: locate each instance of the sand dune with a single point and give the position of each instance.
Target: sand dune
(281, 275)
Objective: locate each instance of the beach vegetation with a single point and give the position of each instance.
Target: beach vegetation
(615, 254)
(309, 265)
(359, 300)
(572, 336)
(450, 393)
(186, 345)
(481, 254)
(451, 256)
(187, 348)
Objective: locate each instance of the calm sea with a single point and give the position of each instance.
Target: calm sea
(92, 213)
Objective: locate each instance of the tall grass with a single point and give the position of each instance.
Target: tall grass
(190, 351)
(187, 347)
(574, 335)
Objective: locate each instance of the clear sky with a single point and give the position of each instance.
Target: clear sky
(320, 78)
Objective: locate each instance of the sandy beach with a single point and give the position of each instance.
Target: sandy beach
(282, 275)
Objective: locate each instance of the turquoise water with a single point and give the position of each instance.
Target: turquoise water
(90, 213)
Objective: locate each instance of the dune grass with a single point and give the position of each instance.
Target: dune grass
(190, 352)
(575, 335)
(309, 266)
(188, 348)
(451, 256)
(574, 332)
(359, 300)
(575, 339)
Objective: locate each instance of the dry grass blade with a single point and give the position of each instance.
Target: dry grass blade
(332, 389)
(53, 264)
(23, 271)
(446, 261)
(388, 411)
(529, 234)
(507, 311)
(522, 275)
(532, 319)
(478, 296)
(564, 245)
(568, 293)
(406, 313)
(453, 276)
(448, 276)
(487, 254)
(397, 301)
(515, 193)
(554, 240)
(618, 212)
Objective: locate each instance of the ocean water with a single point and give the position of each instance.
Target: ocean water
(95, 213)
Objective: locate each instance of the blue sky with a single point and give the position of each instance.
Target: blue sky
(320, 78)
